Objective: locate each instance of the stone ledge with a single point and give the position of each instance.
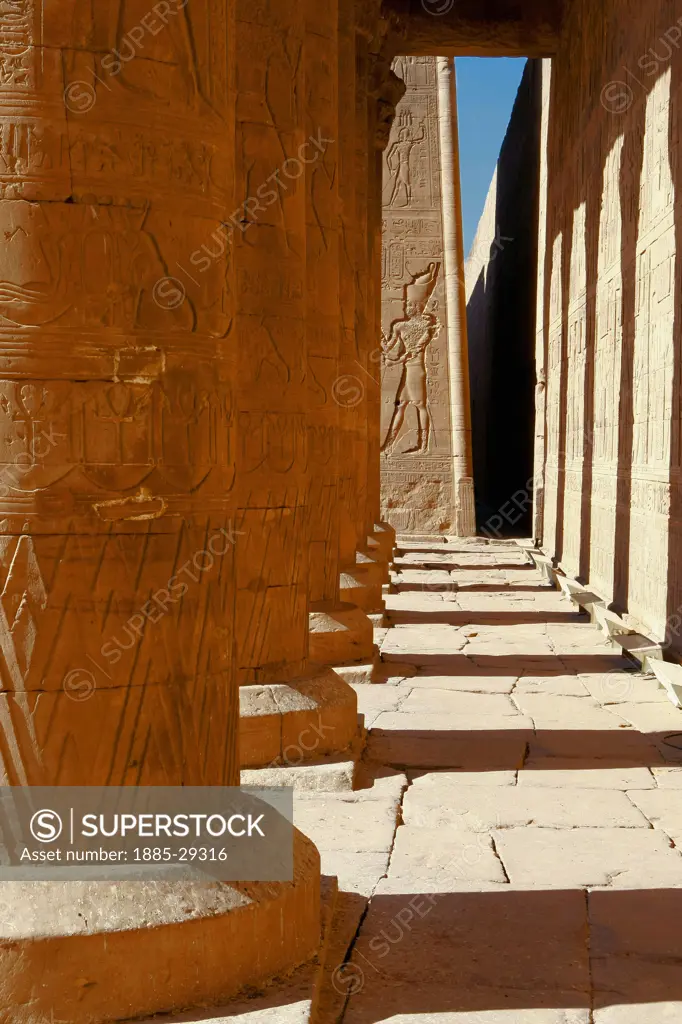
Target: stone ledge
(93, 952)
(669, 676)
(297, 722)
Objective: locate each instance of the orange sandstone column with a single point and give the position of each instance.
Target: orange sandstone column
(116, 401)
(282, 696)
(118, 465)
(387, 89)
(364, 569)
(339, 632)
(349, 390)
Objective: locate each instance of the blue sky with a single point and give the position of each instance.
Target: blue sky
(486, 90)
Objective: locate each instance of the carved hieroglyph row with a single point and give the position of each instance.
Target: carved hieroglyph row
(117, 403)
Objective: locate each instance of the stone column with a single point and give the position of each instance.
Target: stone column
(117, 443)
(282, 697)
(364, 570)
(453, 259)
(340, 633)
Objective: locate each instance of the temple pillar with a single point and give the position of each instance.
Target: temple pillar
(282, 695)
(117, 550)
(340, 633)
(455, 288)
(363, 575)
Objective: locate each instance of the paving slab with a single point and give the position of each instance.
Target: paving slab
(667, 778)
(640, 1013)
(661, 717)
(470, 953)
(560, 686)
(422, 855)
(592, 748)
(663, 808)
(574, 858)
(466, 683)
(483, 808)
(589, 778)
(441, 781)
(617, 686)
(551, 711)
(421, 645)
(432, 701)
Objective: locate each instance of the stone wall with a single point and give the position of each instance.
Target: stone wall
(610, 304)
(501, 285)
(425, 442)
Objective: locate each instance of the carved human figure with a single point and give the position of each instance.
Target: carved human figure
(398, 163)
(406, 343)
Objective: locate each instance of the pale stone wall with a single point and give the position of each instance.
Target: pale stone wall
(500, 280)
(609, 305)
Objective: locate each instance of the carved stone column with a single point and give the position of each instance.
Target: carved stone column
(282, 696)
(340, 633)
(388, 89)
(453, 259)
(117, 444)
(363, 575)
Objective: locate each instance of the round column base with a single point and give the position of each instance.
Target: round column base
(297, 722)
(91, 952)
(339, 633)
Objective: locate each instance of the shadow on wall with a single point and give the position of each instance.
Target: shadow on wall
(501, 278)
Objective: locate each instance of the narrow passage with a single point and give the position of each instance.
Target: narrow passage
(534, 876)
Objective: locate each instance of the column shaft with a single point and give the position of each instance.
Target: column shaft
(116, 434)
(453, 258)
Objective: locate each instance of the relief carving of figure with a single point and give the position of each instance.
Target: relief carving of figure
(406, 343)
(398, 162)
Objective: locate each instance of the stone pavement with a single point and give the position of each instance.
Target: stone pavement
(510, 857)
(534, 876)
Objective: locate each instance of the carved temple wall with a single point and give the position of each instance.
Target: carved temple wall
(412, 358)
(609, 342)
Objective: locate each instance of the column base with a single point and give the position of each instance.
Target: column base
(373, 561)
(385, 537)
(361, 672)
(339, 633)
(291, 723)
(362, 584)
(91, 952)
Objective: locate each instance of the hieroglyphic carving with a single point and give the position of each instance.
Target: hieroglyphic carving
(274, 385)
(407, 344)
(117, 453)
(398, 160)
(415, 388)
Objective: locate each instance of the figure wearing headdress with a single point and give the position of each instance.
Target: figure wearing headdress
(406, 343)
